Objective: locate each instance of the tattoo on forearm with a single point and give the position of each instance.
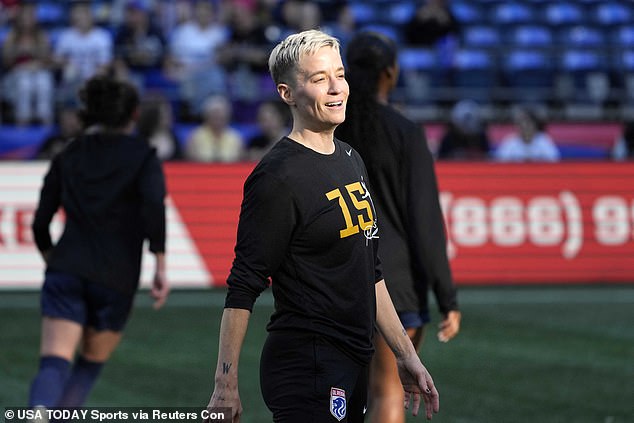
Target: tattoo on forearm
(404, 331)
(225, 368)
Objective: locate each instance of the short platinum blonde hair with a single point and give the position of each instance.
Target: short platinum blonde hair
(286, 55)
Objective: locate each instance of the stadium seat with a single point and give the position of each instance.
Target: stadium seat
(625, 69)
(420, 74)
(480, 36)
(575, 60)
(386, 29)
(51, 13)
(613, 13)
(623, 36)
(400, 12)
(418, 59)
(364, 12)
(512, 13)
(467, 12)
(563, 13)
(588, 72)
(475, 74)
(528, 75)
(531, 36)
(582, 36)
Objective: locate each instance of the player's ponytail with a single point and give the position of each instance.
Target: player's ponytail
(368, 54)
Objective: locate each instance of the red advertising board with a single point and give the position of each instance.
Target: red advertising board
(506, 223)
(539, 223)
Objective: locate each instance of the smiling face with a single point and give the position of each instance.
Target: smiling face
(319, 92)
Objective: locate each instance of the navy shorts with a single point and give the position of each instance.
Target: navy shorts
(412, 319)
(306, 379)
(69, 297)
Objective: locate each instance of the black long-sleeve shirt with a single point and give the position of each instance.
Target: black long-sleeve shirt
(112, 190)
(413, 241)
(307, 222)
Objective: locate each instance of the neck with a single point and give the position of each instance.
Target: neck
(382, 98)
(321, 142)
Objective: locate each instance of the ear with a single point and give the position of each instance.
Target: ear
(286, 93)
(392, 73)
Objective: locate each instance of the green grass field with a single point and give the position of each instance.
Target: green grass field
(542, 355)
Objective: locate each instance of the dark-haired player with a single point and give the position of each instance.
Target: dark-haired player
(307, 222)
(111, 187)
(405, 193)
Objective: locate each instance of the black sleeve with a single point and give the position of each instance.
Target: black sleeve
(267, 220)
(428, 243)
(50, 200)
(152, 190)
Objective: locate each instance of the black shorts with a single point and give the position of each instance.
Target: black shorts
(306, 379)
(69, 297)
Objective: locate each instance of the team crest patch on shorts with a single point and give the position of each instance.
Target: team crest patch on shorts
(338, 403)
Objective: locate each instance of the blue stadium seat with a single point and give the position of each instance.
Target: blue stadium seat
(624, 67)
(467, 12)
(623, 36)
(613, 13)
(475, 73)
(420, 74)
(418, 59)
(531, 36)
(364, 13)
(578, 60)
(587, 69)
(51, 13)
(480, 36)
(564, 13)
(520, 60)
(624, 62)
(529, 74)
(386, 29)
(512, 13)
(582, 36)
(400, 12)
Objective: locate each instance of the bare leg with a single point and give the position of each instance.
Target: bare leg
(97, 346)
(60, 337)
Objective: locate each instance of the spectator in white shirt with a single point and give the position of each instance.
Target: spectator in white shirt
(82, 50)
(530, 143)
(192, 56)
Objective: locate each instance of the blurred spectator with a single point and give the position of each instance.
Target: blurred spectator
(466, 136)
(26, 58)
(344, 25)
(214, 140)
(246, 53)
(192, 56)
(300, 15)
(432, 22)
(8, 10)
(68, 127)
(623, 148)
(155, 124)
(530, 142)
(172, 13)
(82, 51)
(139, 44)
(273, 123)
